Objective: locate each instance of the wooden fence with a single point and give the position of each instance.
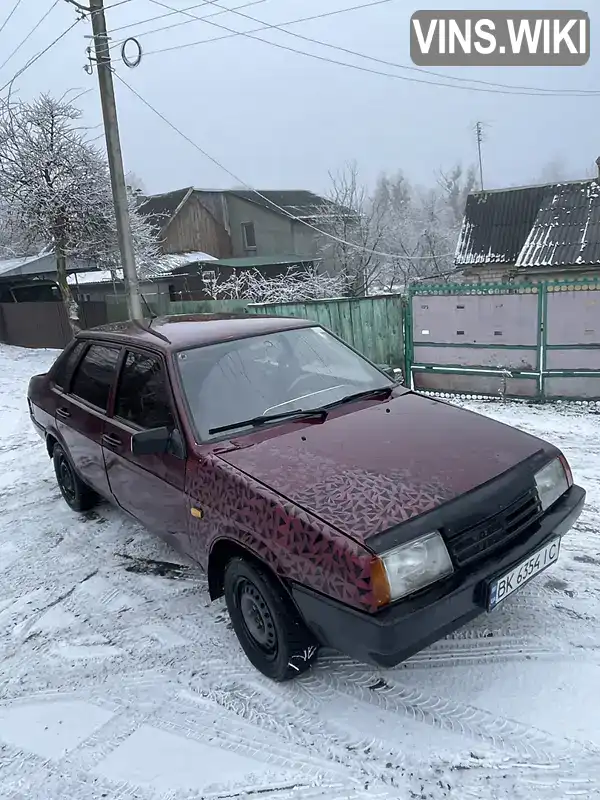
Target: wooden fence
(372, 325)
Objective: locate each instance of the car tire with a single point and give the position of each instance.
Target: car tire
(75, 492)
(268, 627)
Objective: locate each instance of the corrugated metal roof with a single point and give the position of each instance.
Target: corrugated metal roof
(161, 207)
(297, 202)
(534, 227)
(255, 262)
(566, 231)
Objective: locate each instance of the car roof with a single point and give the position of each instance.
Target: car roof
(192, 330)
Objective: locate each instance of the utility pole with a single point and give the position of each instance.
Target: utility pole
(479, 137)
(115, 158)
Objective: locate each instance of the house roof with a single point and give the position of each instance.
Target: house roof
(297, 202)
(27, 265)
(164, 266)
(255, 262)
(553, 225)
(161, 208)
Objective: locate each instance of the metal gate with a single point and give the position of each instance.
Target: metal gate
(522, 340)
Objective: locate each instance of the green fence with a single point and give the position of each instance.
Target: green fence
(372, 325)
(116, 309)
(539, 341)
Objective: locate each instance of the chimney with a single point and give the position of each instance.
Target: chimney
(598, 165)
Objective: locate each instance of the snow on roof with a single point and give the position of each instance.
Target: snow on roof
(190, 258)
(533, 227)
(163, 267)
(26, 265)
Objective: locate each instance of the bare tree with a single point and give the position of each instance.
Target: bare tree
(385, 239)
(354, 227)
(456, 186)
(55, 186)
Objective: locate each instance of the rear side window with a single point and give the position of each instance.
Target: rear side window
(143, 396)
(66, 363)
(95, 375)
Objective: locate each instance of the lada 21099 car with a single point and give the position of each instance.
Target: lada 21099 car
(330, 505)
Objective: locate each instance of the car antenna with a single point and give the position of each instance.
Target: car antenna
(149, 329)
(151, 313)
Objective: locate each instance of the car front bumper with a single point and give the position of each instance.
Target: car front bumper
(394, 634)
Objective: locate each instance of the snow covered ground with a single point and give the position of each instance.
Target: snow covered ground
(118, 679)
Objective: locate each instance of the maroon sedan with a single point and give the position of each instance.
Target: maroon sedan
(331, 506)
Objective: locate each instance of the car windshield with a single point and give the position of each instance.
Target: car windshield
(300, 369)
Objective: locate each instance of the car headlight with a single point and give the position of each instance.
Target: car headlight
(551, 482)
(410, 567)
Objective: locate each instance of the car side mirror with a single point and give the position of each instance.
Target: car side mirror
(152, 442)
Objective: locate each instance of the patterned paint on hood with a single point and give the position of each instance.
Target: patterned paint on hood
(368, 470)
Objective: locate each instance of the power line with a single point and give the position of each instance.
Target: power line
(52, 43)
(527, 91)
(7, 20)
(159, 16)
(277, 207)
(233, 33)
(38, 56)
(179, 24)
(113, 5)
(31, 32)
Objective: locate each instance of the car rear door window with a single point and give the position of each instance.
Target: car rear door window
(66, 363)
(143, 395)
(95, 375)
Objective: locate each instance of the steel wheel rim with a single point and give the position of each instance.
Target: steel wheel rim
(66, 479)
(256, 618)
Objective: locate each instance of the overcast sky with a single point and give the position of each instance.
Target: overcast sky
(278, 119)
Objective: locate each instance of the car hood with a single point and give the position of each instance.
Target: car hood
(377, 466)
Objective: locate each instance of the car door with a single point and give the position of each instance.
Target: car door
(81, 411)
(149, 487)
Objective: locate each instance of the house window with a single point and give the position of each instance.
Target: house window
(249, 235)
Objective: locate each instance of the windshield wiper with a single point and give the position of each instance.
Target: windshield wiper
(383, 392)
(313, 413)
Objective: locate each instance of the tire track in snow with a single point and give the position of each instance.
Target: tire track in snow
(478, 724)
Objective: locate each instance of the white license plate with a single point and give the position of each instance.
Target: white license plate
(523, 572)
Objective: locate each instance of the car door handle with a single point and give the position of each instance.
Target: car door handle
(64, 413)
(111, 441)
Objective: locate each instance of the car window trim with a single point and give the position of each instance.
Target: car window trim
(110, 399)
(66, 389)
(146, 351)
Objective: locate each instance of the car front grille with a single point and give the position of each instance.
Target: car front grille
(493, 533)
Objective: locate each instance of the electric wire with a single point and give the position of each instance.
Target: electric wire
(509, 90)
(35, 58)
(179, 24)
(7, 20)
(30, 34)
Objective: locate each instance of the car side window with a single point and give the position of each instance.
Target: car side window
(66, 363)
(143, 396)
(95, 375)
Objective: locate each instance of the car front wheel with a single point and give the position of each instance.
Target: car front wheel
(76, 493)
(271, 633)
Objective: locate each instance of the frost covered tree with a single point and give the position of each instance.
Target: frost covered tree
(291, 286)
(353, 225)
(55, 188)
(382, 240)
